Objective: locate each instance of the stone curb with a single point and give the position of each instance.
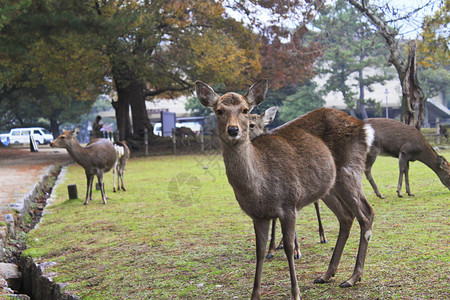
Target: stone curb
(37, 283)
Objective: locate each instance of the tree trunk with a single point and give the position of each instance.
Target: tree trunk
(411, 87)
(412, 95)
(361, 102)
(122, 108)
(130, 93)
(54, 127)
(138, 109)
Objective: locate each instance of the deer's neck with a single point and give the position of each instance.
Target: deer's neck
(243, 166)
(76, 151)
(429, 157)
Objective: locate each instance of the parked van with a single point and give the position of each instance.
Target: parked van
(22, 135)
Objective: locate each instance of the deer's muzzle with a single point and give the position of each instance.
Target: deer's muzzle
(233, 131)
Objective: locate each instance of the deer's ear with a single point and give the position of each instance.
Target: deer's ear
(76, 131)
(257, 92)
(269, 115)
(442, 162)
(205, 94)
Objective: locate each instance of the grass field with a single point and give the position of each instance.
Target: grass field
(178, 233)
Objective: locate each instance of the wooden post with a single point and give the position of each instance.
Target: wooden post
(202, 145)
(438, 131)
(72, 189)
(174, 141)
(146, 141)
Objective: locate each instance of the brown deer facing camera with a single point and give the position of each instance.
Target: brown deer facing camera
(276, 174)
(257, 124)
(96, 158)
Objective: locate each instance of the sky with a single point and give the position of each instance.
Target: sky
(408, 29)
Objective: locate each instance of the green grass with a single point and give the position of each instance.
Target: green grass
(188, 239)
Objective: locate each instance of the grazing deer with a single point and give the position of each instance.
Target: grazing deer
(396, 139)
(276, 174)
(182, 132)
(96, 158)
(122, 156)
(256, 125)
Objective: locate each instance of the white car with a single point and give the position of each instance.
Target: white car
(22, 135)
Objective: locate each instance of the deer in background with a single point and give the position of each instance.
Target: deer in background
(396, 139)
(258, 122)
(256, 125)
(96, 158)
(276, 174)
(184, 132)
(122, 156)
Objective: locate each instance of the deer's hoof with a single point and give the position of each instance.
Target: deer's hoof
(114, 190)
(320, 280)
(123, 189)
(279, 247)
(297, 256)
(345, 284)
(85, 203)
(323, 241)
(269, 256)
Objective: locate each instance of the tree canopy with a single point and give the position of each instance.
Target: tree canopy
(146, 49)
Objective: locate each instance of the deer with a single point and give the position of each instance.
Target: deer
(96, 158)
(257, 124)
(276, 174)
(405, 142)
(182, 132)
(122, 156)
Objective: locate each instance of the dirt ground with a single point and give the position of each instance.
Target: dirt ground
(20, 169)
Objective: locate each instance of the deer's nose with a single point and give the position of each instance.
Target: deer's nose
(233, 130)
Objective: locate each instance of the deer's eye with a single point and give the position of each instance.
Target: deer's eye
(219, 112)
(252, 125)
(245, 111)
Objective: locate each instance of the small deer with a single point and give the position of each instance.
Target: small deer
(276, 174)
(396, 139)
(184, 132)
(96, 158)
(256, 125)
(122, 156)
(258, 122)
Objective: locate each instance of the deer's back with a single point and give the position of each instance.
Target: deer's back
(100, 154)
(392, 136)
(344, 135)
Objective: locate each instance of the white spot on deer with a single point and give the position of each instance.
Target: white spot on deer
(370, 135)
(368, 235)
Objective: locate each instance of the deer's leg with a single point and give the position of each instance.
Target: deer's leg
(280, 245)
(297, 252)
(271, 251)
(403, 165)
(350, 194)
(408, 191)
(90, 179)
(114, 178)
(289, 240)
(102, 186)
(365, 215)
(323, 239)
(345, 218)
(262, 233)
(368, 172)
(121, 171)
